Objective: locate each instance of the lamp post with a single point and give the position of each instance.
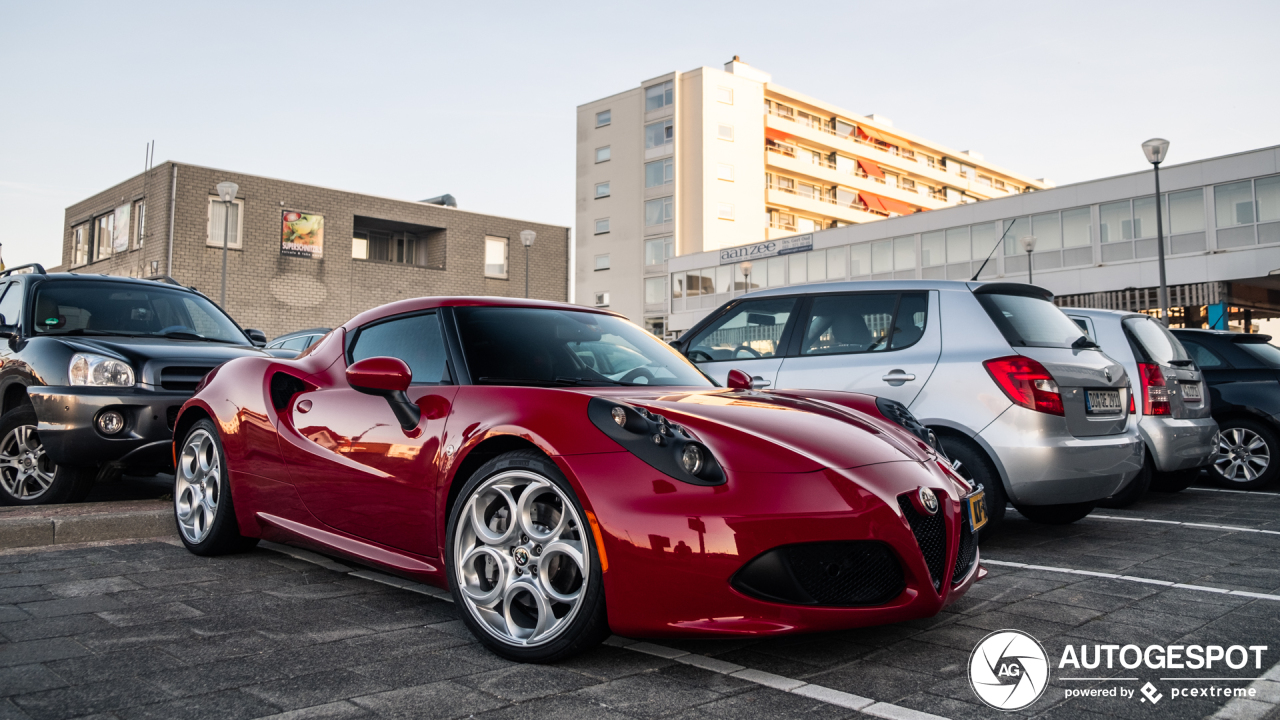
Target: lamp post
(526, 238)
(1156, 150)
(746, 276)
(227, 192)
(1028, 246)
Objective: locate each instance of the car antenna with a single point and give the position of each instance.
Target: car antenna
(993, 252)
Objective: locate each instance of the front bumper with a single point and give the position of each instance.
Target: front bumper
(1047, 465)
(67, 430)
(1180, 444)
(672, 549)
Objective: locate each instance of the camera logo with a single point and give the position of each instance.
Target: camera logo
(1008, 670)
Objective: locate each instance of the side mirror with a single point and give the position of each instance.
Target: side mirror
(739, 380)
(257, 337)
(389, 378)
(7, 330)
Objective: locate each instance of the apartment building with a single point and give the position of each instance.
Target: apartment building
(690, 162)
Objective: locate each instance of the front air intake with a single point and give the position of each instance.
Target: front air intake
(852, 573)
(931, 536)
(967, 551)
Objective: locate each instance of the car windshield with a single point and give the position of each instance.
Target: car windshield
(1266, 353)
(1030, 321)
(1159, 344)
(76, 307)
(513, 346)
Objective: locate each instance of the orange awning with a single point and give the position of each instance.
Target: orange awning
(778, 135)
(870, 168)
(872, 202)
(887, 139)
(896, 206)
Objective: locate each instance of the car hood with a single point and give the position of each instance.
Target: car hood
(139, 350)
(774, 431)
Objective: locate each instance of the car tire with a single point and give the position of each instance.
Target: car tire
(1136, 488)
(202, 504)
(1175, 481)
(974, 466)
(1055, 514)
(494, 577)
(1258, 461)
(27, 475)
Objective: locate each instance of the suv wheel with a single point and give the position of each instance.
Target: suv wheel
(1055, 514)
(973, 465)
(1246, 455)
(27, 475)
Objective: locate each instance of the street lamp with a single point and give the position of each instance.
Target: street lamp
(746, 276)
(1028, 247)
(1157, 149)
(227, 192)
(526, 238)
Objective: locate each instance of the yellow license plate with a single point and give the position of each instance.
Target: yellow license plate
(977, 511)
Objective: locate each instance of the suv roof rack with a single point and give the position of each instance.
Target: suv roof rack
(163, 279)
(36, 268)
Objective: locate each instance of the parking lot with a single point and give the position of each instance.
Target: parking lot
(145, 629)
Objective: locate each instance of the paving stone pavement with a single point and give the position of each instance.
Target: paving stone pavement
(147, 630)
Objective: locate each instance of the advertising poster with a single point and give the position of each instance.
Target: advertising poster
(120, 233)
(302, 235)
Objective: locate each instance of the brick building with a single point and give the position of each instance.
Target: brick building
(302, 256)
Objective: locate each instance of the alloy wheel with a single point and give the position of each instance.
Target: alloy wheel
(198, 486)
(26, 472)
(1242, 455)
(520, 560)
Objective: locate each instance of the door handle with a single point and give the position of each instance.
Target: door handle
(898, 376)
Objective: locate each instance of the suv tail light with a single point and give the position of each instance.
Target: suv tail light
(1155, 395)
(1027, 383)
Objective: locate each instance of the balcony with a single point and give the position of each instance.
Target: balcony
(802, 163)
(820, 206)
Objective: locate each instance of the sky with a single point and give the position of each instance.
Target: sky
(413, 100)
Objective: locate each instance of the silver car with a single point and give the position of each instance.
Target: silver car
(1020, 398)
(1171, 398)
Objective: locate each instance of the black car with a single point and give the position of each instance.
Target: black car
(1242, 371)
(291, 345)
(94, 369)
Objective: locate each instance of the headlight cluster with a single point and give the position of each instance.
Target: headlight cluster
(657, 441)
(99, 371)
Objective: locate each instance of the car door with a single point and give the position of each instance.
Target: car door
(880, 343)
(748, 336)
(1236, 379)
(355, 468)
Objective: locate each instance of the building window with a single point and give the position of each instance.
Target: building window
(1077, 228)
(659, 134)
(658, 211)
(218, 223)
(140, 225)
(656, 325)
(1268, 191)
(602, 226)
(1117, 221)
(658, 96)
(79, 245)
(655, 290)
(103, 228)
(602, 262)
(724, 95)
(602, 299)
(658, 250)
(725, 211)
(1234, 203)
(409, 245)
(604, 117)
(495, 257)
(725, 132)
(602, 189)
(724, 171)
(659, 172)
(602, 154)
(1186, 210)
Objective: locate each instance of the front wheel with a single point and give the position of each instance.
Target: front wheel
(1055, 514)
(28, 476)
(1246, 455)
(522, 561)
(202, 496)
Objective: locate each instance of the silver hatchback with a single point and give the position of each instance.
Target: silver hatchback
(1020, 398)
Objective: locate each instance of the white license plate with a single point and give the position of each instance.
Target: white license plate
(1103, 401)
(1191, 392)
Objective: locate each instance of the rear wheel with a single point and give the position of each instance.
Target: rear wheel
(1246, 455)
(202, 496)
(973, 465)
(28, 476)
(1055, 514)
(1136, 488)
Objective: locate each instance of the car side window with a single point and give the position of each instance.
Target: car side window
(1203, 356)
(752, 329)
(908, 326)
(302, 342)
(853, 323)
(415, 339)
(11, 304)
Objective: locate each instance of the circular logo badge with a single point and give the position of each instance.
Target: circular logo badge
(1009, 670)
(522, 556)
(928, 500)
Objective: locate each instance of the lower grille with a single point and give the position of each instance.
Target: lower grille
(968, 549)
(179, 377)
(931, 536)
(844, 574)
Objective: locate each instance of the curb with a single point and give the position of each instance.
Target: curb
(36, 526)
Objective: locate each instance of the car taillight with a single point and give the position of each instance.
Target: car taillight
(1132, 409)
(1155, 396)
(1027, 383)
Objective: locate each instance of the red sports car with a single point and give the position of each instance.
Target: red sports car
(566, 474)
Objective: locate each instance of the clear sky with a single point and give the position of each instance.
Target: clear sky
(411, 100)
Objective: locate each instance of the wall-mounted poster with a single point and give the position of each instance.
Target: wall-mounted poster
(302, 235)
(120, 233)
